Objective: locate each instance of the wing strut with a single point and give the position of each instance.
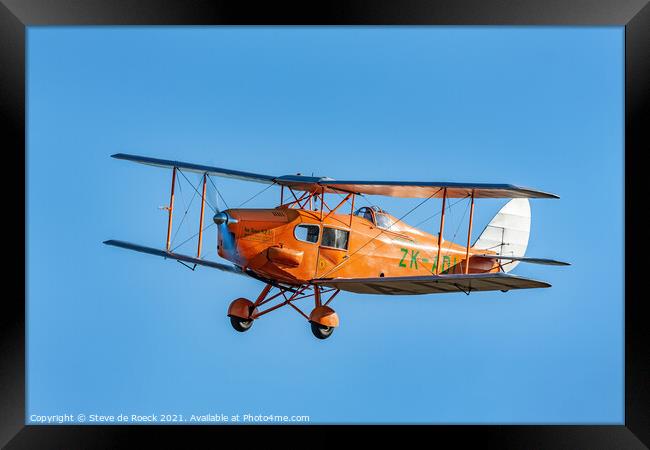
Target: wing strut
(198, 251)
(469, 234)
(442, 227)
(170, 208)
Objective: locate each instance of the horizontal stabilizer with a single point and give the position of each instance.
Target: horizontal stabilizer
(432, 284)
(176, 256)
(545, 261)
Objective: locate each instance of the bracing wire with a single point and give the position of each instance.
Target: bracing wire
(254, 196)
(192, 237)
(460, 222)
(186, 210)
(439, 212)
(380, 233)
(218, 192)
(197, 191)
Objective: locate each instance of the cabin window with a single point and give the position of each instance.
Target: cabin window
(307, 233)
(333, 237)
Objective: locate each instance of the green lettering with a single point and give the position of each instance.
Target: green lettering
(414, 259)
(401, 261)
(446, 260)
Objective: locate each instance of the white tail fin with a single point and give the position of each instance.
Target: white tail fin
(508, 232)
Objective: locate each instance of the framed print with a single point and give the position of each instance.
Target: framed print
(416, 215)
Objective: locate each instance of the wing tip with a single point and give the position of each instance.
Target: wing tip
(537, 193)
(549, 195)
(555, 262)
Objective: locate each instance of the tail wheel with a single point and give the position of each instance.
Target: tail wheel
(321, 331)
(240, 324)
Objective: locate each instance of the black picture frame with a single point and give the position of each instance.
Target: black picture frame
(16, 15)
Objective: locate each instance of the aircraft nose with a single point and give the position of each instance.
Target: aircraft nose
(223, 217)
(220, 217)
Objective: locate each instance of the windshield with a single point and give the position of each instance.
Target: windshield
(383, 221)
(375, 215)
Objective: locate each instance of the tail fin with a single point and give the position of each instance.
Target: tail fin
(508, 232)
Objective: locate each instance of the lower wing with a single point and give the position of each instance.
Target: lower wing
(176, 256)
(527, 259)
(433, 284)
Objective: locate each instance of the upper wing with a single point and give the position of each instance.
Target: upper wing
(432, 284)
(190, 167)
(419, 189)
(411, 189)
(176, 256)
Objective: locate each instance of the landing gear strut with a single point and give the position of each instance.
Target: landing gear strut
(322, 319)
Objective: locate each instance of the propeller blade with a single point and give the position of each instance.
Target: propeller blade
(211, 196)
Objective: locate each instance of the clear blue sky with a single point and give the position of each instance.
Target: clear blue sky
(111, 331)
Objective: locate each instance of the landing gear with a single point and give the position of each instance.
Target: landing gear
(240, 312)
(322, 319)
(241, 325)
(321, 331)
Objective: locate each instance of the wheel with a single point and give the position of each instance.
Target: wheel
(321, 331)
(240, 324)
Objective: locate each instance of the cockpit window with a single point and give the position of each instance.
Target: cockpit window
(307, 233)
(365, 213)
(376, 216)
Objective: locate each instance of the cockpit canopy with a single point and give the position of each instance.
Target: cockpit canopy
(376, 215)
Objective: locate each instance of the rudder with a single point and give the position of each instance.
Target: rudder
(507, 233)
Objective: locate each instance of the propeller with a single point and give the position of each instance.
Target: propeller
(215, 203)
(213, 200)
(211, 196)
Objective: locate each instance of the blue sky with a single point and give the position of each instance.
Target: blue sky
(111, 332)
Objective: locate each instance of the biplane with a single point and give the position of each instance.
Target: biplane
(312, 246)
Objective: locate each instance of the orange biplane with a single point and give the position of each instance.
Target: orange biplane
(306, 247)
